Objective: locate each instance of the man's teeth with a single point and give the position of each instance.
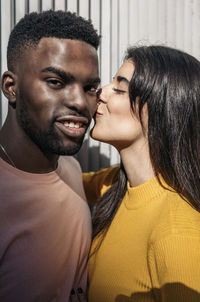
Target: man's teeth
(72, 125)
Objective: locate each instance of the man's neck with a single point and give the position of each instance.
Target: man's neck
(25, 156)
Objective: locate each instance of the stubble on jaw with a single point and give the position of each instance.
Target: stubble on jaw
(47, 141)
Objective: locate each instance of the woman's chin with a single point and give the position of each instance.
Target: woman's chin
(94, 133)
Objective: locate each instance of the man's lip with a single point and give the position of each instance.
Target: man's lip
(71, 132)
(72, 118)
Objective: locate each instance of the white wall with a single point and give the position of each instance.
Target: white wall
(121, 23)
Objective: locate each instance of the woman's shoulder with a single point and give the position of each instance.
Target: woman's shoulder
(177, 217)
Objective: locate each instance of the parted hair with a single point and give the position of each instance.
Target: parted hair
(168, 81)
(58, 24)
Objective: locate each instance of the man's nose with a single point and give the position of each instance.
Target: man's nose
(76, 98)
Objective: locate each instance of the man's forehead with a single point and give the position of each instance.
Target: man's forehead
(66, 45)
(54, 51)
(64, 54)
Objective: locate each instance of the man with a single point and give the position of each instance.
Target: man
(45, 228)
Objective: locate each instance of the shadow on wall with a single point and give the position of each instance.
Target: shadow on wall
(90, 158)
(170, 292)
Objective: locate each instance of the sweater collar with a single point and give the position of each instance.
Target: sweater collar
(143, 194)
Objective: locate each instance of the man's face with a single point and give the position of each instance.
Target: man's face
(56, 95)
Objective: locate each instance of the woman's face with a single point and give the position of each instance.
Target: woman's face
(115, 122)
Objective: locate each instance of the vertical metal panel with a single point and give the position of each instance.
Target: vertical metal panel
(134, 36)
(162, 19)
(171, 23)
(83, 156)
(20, 10)
(59, 5)
(121, 23)
(33, 5)
(105, 64)
(95, 16)
(188, 25)
(84, 8)
(95, 13)
(105, 42)
(195, 29)
(143, 19)
(46, 4)
(114, 60)
(72, 6)
(12, 13)
(114, 32)
(5, 31)
(153, 20)
(123, 27)
(93, 145)
(179, 25)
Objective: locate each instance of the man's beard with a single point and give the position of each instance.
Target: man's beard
(47, 141)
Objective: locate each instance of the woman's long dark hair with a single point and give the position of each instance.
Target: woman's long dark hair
(168, 81)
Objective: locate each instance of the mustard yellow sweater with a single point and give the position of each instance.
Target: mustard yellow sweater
(151, 251)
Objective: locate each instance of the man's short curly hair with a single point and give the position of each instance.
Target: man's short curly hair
(58, 24)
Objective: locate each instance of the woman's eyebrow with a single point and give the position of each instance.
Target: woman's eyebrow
(122, 79)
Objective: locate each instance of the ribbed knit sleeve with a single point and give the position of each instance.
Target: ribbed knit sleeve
(97, 183)
(174, 264)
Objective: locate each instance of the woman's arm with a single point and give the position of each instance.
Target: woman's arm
(174, 264)
(97, 183)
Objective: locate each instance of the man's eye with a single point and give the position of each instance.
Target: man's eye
(91, 89)
(55, 83)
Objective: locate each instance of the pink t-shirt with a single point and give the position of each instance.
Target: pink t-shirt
(45, 236)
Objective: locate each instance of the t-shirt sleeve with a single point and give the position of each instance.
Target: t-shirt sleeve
(175, 268)
(97, 183)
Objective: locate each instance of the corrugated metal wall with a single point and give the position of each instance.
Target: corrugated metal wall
(121, 23)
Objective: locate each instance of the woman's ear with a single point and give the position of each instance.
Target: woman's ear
(9, 87)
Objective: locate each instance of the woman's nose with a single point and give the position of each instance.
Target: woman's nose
(99, 93)
(103, 94)
(99, 96)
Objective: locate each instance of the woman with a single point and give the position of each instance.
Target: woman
(146, 227)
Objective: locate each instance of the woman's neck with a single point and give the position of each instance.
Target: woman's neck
(137, 163)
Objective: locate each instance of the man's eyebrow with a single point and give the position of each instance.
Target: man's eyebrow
(122, 79)
(92, 81)
(68, 76)
(62, 74)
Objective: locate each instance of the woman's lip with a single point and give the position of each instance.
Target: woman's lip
(99, 113)
(71, 132)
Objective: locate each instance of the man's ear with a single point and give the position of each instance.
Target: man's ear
(9, 87)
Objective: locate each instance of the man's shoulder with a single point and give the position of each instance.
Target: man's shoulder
(67, 163)
(70, 171)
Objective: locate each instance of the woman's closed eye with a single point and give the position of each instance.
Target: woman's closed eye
(119, 91)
